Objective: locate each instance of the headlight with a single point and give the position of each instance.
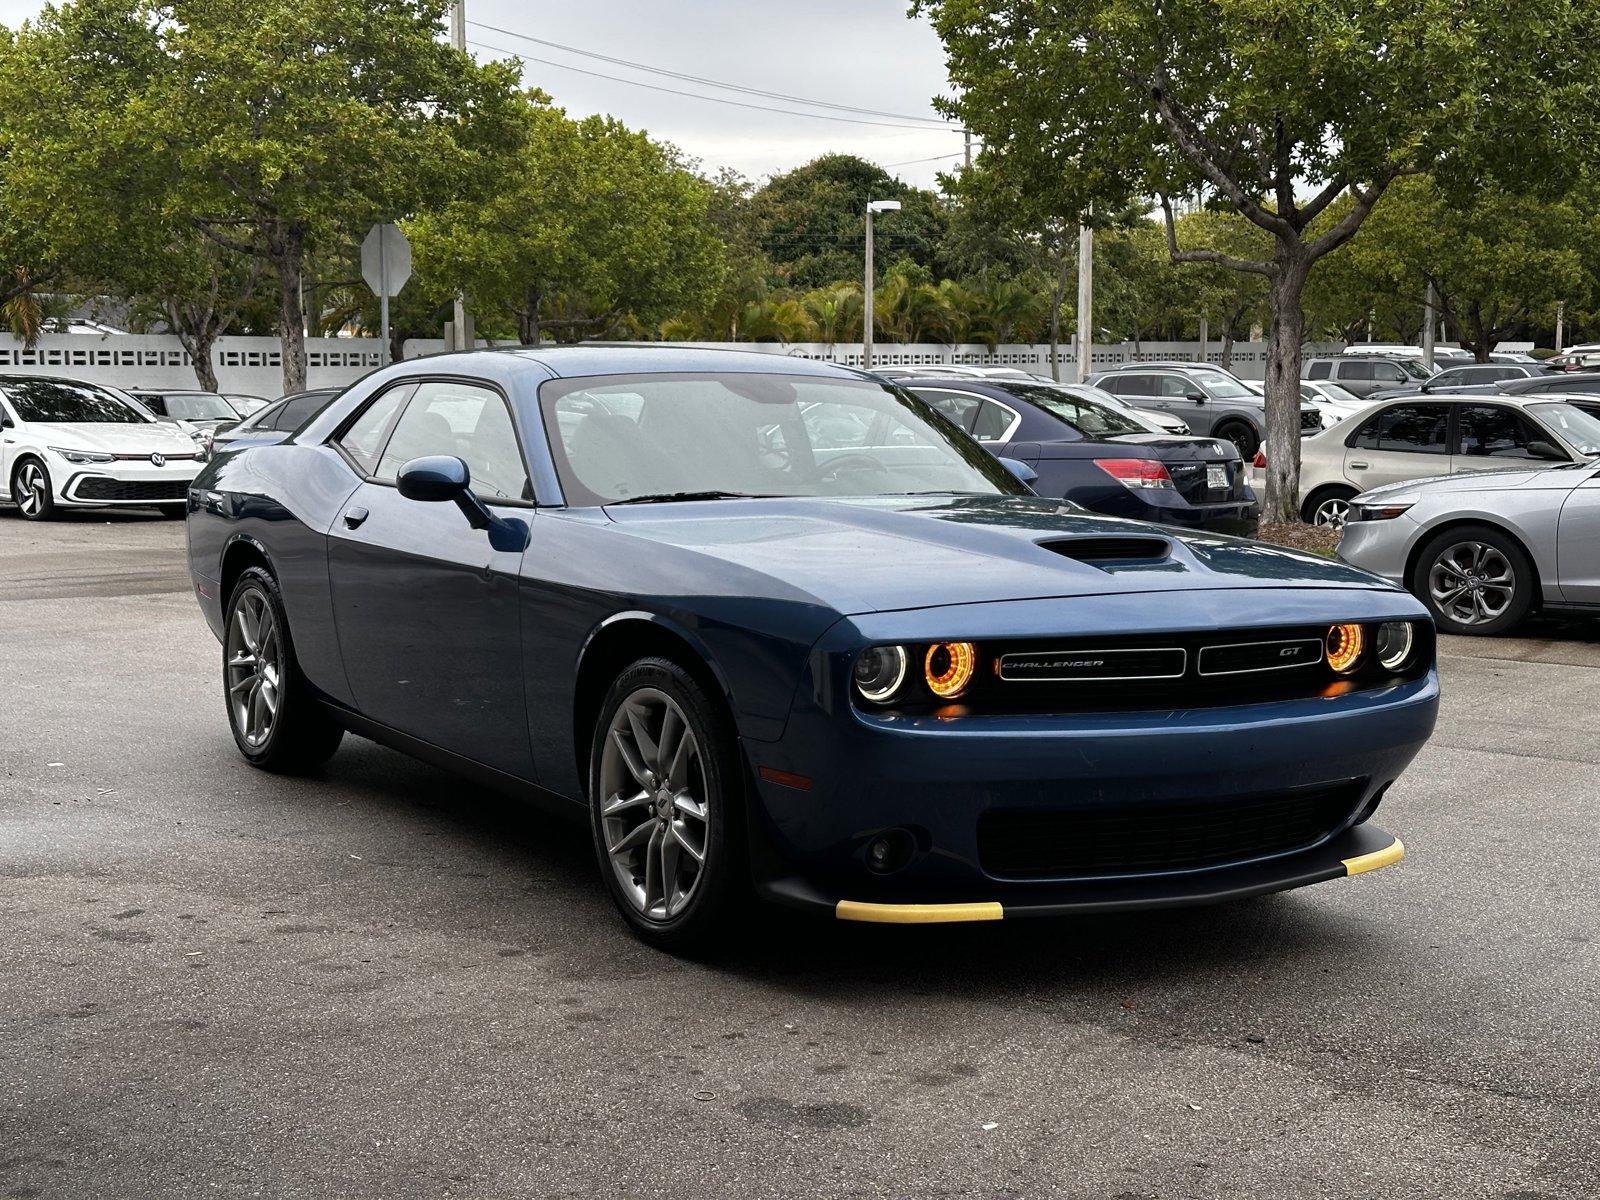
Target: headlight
(1345, 644)
(1382, 512)
(948, 668)
(83, 456)
(1393, 644)
(879, 672)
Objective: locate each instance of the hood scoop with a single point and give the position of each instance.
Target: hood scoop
(1110, 551)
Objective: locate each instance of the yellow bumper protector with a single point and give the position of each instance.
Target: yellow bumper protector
(918, 914)
(1387, 857)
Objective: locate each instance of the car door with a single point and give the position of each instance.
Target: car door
(1357, 377)
(1496, 437)
(1402, 441)
(425, 606)
(1578, 543)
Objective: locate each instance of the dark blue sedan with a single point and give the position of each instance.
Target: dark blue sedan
(1086, 449)
(770, 625)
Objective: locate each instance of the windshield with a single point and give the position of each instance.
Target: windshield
(198, 406)
(633, 437)
(1414, 368)
(69, 403)
(1334, 391)
(1089, 417)
(1581, 431)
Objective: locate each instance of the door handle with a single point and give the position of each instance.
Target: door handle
(1355, 466)
(354, 517)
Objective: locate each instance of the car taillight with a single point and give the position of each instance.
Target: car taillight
(1260, 460)
(1135, 472)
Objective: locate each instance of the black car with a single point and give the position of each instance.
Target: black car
(1559, 383)
(1086, 450)
(277, 420)
(1470, 378)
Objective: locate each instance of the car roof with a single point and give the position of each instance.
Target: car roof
(598, 358)
(1162, 364)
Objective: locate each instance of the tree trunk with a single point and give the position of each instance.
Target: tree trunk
(1227, 347)
(1283, 387)
(1055, 338)
(205, 371)
(529, 331)
(288, 247)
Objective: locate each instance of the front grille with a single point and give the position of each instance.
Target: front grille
(1146, 839)
(1244, 658)
(98, 487)
(1061, 666)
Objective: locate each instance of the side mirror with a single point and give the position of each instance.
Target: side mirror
(1024, 473)
(5, 421)
(445, 477)
(1197, 397)
(1542, 449)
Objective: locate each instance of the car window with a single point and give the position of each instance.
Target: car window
(1574, 422)
(1355, 370)
(465, 421)
(363, 439)
(1083, 414)
(1496, 431)
(1137, 385)
(1408, 428)
(960, 407)
(155, 404)
(1175, 386)
(301, 409)
(1320, 370)
(1451, 377)
(992, 423)
(1388, 372)
(197, 406)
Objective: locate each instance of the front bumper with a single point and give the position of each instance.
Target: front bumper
(1381, 547)
(124, 484)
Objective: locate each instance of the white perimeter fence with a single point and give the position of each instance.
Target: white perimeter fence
(254, 365)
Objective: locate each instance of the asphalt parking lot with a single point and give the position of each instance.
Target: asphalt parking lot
(383, 982)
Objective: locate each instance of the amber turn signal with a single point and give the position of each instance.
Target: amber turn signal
(949, 667)
(1345, 644)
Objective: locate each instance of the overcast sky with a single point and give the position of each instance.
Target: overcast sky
(861, 53)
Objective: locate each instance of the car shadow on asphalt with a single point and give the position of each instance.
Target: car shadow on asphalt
(546, 870)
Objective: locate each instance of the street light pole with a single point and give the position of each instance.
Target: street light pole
(1429, 329)
(1085, 302)
(873, 208)
(458, 39)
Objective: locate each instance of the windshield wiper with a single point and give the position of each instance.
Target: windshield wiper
(669, 497)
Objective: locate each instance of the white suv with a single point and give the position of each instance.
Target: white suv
(66, 444)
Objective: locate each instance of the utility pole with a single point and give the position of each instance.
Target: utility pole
(1561, 321)
(463, 339)
(1085, 302)
(873, 208)
(967, 135)
(1428, 327)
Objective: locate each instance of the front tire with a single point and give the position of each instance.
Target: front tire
(1242, 436)
(1475, 581)
(32, 490)
(1328, 506)
(666, 798)
(276, 720)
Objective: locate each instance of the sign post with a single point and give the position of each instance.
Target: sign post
(385, 265)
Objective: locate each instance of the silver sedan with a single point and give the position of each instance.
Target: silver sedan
(1484, 550)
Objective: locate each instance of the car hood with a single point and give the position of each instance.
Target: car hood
(130, 438)
(1556, 479)
(891, 553)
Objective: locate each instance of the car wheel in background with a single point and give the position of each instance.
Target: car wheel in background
(1474, 580)
(666, 806)
(1329, 506)
(31, 490)
(276, 721)
(1241, 435)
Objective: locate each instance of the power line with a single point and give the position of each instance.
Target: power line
(707, 81)
(528, 58)
(913, 161)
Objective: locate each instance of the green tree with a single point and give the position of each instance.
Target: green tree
(586, 223)
(810, 223)
(1275, 111)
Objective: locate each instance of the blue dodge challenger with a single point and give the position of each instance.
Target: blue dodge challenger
(776, 626)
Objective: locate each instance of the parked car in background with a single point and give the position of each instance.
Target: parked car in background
(1483, 551)
(277, 420)
(245, 405)
(1404, 350)
(1407, 439)
(1156, 422)
(1086, 451)
(68, 444)
(1469, 378)
(203, 410)
(1363, 374)
(1212, 402)
(1325, 397)
(1568, 383)
(868, 676)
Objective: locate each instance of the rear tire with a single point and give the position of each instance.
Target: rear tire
(1328, 506)
(1242, 436)
(276, 720)
(666, 808)
(1475, 581)
(32, 491)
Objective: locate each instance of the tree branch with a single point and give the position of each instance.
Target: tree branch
(1205, 256)
(1346, 228)
(1322, 199)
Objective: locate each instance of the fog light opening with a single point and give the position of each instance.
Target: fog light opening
(889, 852)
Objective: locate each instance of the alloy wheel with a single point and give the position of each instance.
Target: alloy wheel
(1333, 513)
(33, 489)
(654, 804)
(255, 668)
(1472, 583)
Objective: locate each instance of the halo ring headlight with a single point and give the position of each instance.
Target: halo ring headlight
(879, 671)
(1345, 644)
(949, 667)
(1393, 644)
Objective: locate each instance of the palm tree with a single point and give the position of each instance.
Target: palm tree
(21, 306)
(835, 312)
